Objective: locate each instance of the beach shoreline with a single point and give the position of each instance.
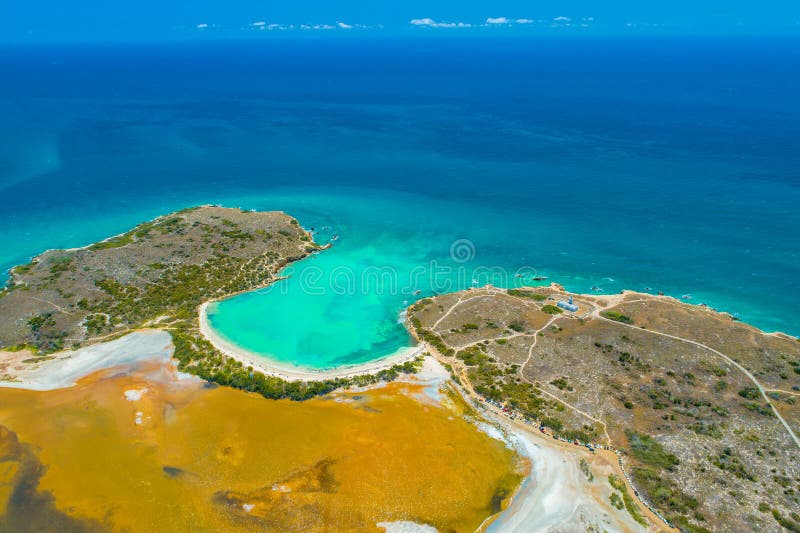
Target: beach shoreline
(271, 367)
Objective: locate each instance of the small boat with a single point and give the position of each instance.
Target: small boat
(686, 297)
(416, 292)
(539, 278)
(597, 289)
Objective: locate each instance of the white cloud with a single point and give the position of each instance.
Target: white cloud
(524, 21)
(562, 19)
(202, 26)
(259, 24)
(344, 26)
(498, 20)
(439, 24)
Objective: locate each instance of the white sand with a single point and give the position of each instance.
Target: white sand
(296, 373)
(67, 367)
(404, 526)
(556, 496)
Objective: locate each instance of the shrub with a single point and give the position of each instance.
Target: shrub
(527, 294)
(649, 451)
(750, 393)
(617, 316)
(561, 383)
(517, 326)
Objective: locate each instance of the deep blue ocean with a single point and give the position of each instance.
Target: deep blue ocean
(664, 163)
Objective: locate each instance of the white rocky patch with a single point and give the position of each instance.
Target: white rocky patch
(134, 395)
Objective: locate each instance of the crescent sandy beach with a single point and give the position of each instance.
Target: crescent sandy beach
(294, 373)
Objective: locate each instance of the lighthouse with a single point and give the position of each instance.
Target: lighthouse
(568, 305)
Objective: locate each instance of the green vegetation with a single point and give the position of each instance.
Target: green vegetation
(730, 463)
(791, 525)
(527, 294)
(586, 471)
(431, 338)
(649, 451)
(627, 500)
(617, 316)
(198, 356)
(473, 356)
(114, 242)
(19, 348)
(750, 393)
(616, 501)
(562, 383)
(667, 496)
(37, 322)
(517, 326)
(23, 269)
(707, 428)
(95, 324)
(39, 359)
(719, 372)
(761, 409)
(552, 309)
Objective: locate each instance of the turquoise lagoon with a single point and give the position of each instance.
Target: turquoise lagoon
(345, 305)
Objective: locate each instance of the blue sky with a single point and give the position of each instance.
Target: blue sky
(87, 20)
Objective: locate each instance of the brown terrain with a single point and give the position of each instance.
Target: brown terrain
(703, 408)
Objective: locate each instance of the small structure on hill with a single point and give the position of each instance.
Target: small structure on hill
(568, 305)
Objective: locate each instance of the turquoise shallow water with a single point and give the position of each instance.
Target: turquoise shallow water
(344, 305)
(662, 163)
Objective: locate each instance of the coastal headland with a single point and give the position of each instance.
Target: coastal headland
(701, 408)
